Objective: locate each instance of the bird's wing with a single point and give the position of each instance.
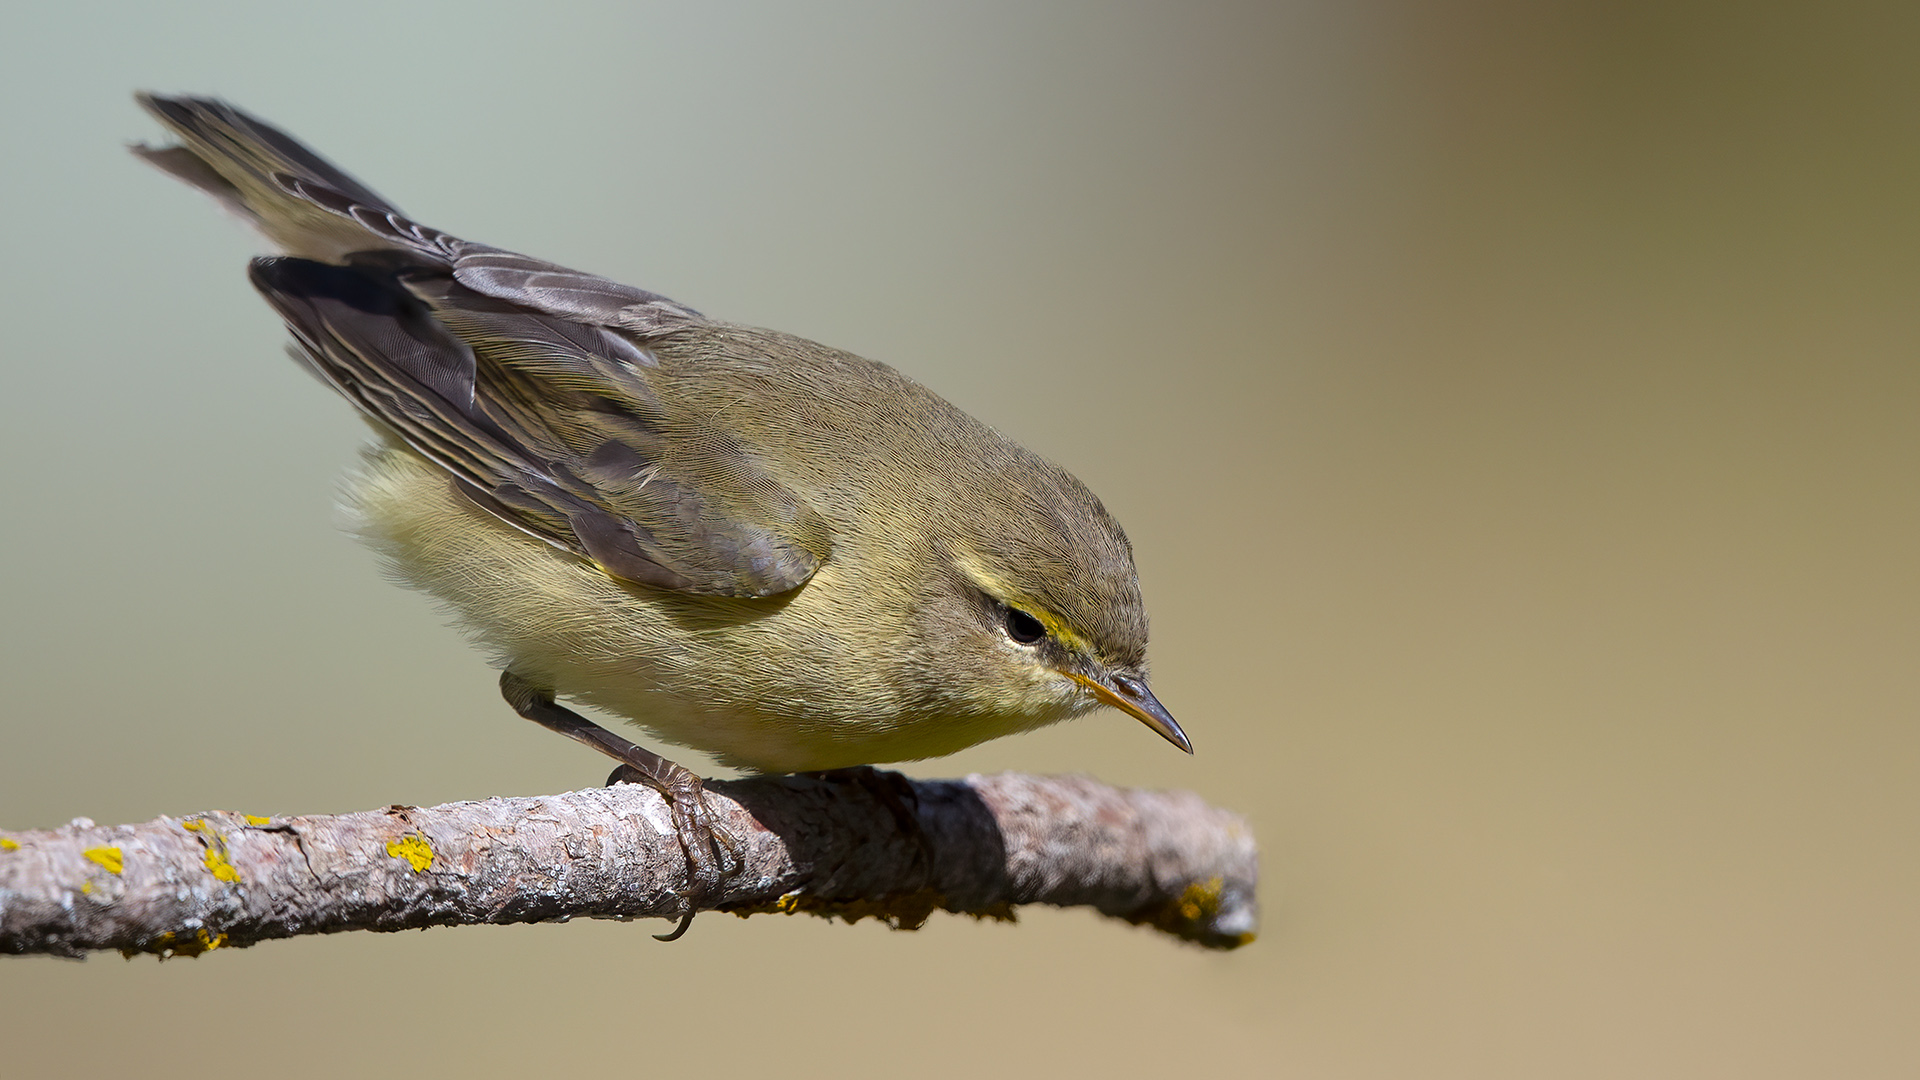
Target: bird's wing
(524, 380)
(550, 426)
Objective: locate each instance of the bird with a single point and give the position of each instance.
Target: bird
(746, 543)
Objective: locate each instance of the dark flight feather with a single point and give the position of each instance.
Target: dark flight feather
(525, 380)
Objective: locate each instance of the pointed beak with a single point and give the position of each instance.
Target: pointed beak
(1131, 696)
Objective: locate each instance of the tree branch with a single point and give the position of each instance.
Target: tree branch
(831, 846)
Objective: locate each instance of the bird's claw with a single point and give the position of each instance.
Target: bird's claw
(713, 853)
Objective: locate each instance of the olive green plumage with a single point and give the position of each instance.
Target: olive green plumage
(748, 543)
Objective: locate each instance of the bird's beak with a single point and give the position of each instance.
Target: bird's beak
(1131, 696)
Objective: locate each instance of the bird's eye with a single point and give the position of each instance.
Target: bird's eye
(1023, 627)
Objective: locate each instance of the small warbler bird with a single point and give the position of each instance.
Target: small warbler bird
(773, 551)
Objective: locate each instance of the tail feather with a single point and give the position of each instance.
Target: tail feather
(212, 125)
(298, 199)
(311, 209)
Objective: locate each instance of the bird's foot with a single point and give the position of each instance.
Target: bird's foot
(713, 853)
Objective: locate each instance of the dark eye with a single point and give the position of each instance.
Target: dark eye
(1023, 627)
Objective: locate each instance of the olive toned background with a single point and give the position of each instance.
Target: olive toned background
(1513, 410)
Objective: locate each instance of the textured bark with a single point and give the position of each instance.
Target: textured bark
(841, 847)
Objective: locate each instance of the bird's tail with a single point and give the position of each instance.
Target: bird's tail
(302, 202)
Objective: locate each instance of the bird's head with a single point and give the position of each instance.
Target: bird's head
(1034, 611)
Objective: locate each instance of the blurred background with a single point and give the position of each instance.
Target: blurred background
(1512, 406)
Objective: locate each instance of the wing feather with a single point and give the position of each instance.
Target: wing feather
(525, 380)
(563, 441)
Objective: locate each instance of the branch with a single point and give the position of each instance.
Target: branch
(830, 846)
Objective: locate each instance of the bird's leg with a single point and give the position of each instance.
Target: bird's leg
(712, 851)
